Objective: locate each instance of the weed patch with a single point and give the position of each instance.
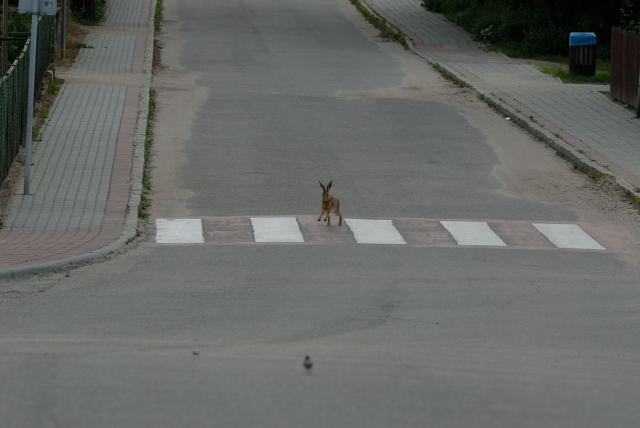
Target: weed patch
(147, 187)
(145, 198)
(453, 79)
(158, 15)
(44, 104)
(567, 77)
(386, 30)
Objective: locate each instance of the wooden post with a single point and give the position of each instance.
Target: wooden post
(65, 29)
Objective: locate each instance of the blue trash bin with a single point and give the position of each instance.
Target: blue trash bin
(582, 53)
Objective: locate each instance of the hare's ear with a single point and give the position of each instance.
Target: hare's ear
(322, 185)
(329, 185)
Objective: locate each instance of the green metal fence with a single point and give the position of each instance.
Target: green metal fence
(14, 93)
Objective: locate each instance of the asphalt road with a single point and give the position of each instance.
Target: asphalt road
(258, 101)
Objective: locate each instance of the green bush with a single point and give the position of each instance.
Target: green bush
(95, 17)
(630, 19)
(19, 25)
(537, 27)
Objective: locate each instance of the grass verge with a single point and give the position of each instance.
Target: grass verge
(450, 77)
(567, 77)
(145, 198)
(386, 30)
(158, 15)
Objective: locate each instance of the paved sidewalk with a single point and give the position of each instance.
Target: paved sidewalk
(85, 180)
(578, 120)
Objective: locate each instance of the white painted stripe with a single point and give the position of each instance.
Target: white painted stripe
(179, 231)
(276, 229)
(374, 231)
(568, 236)
(472, 233)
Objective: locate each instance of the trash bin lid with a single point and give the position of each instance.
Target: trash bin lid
(582, 39)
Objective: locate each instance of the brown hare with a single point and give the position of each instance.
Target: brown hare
(329, 204)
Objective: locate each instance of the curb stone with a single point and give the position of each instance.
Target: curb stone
(130, 227)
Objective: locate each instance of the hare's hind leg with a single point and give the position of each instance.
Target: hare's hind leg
(339, 214)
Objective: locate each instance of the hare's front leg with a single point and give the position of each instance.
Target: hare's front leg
(323, 211)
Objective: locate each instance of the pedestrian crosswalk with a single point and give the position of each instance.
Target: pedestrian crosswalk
(418, 232)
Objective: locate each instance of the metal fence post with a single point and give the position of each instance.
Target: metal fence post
(33, 51)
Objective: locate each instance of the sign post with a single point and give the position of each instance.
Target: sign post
(35, 8)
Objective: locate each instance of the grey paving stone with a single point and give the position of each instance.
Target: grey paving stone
(107, 53)
(125, 13)
(72, 165)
